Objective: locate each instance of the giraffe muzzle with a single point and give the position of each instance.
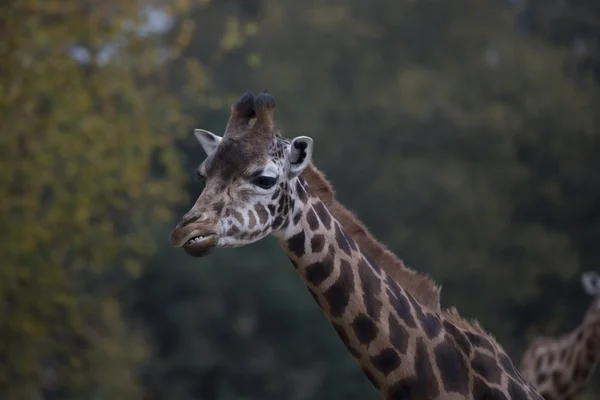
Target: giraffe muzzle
(194, 239)
(200, 245)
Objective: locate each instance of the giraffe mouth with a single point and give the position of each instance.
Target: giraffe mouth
(200, 245)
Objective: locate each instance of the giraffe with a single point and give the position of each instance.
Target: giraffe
(560, 368)
(405, 344)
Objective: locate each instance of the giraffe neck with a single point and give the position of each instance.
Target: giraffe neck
(357, 296)
(407, 350)
(579, 353)
(419, 285)
(561, 368)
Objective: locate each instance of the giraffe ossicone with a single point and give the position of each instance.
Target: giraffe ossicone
(591, 283)
(391, 324)
(561, 367)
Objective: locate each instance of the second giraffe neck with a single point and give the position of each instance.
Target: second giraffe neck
(581, 350)
(361, 301)
(583, 342)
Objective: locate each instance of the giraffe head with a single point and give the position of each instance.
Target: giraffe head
(591, 285)
(248, 174)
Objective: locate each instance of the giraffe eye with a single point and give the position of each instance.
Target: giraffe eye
(265, 182)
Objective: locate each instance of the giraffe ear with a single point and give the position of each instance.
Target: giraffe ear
(209, 141)
(591, 283)
(300, 155)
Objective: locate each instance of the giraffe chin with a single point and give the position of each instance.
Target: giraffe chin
(201, 248)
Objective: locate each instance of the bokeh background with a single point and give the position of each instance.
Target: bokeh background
(464, 133)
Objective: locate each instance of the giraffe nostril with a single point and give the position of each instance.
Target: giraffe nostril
(188, 219)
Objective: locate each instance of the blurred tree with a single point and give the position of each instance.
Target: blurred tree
(572, 24)
(85, 115)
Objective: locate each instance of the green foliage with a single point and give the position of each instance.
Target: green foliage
(78, 143)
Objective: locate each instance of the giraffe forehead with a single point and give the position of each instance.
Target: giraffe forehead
(234, 158)
(237, 156)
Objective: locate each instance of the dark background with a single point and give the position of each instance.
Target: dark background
(464, 134)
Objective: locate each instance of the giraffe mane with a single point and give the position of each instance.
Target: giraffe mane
(419, 285)
(451, 314)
